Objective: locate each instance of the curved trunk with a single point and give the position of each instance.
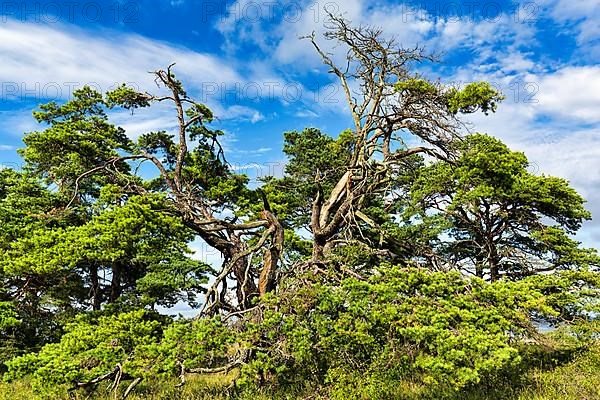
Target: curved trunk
(267, 279)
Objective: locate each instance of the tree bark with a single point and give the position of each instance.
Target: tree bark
(267, 279)
(95, 288)
(318, 250)
(246, 289)
(115, 283)
(493, 262)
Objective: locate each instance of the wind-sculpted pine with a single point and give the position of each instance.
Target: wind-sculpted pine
(193, 177)
(390, 106)
(495, 218)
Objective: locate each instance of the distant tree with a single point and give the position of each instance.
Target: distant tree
(131, 249)
(57, 262)
(496, 219)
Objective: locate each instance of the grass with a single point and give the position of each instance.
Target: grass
(576, 380)
(548, 377)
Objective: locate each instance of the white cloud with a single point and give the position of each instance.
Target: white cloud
(14, 123)
(566, 10)
(565, 98)
(312, 17)
(286, 57)
(306, 113)
(160, 117)
(242, 22)
(516, 62)
(258, 151)
(49, 60)
(242, 113)
(575, 157)
(46, 62)
(571, 92)
(410, 25)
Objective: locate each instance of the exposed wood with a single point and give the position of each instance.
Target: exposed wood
(374, 64)
(217, 370)
(334, 197)
(181, 374)
(272, 254)
(110, 375)
(130, 388)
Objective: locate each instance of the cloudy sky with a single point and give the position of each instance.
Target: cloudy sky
(244, 59)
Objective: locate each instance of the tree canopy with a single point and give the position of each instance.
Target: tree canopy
(495, 218)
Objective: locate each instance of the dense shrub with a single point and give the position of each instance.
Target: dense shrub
(438, 331)
(433, 328)
(91, 346)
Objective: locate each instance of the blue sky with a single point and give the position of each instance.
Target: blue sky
(244, 59)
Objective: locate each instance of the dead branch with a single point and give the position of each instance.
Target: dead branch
(217, 370)
(381, 115)
(130, 388)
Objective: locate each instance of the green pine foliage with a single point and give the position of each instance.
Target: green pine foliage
(436, 331)
(495, 218)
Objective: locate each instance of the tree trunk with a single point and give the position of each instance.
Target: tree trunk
(95, 288)
(267, 279)
(246, 288)
(494, 273)
(480, 265)
(115, 283)
(494, 262)
(318, 251)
